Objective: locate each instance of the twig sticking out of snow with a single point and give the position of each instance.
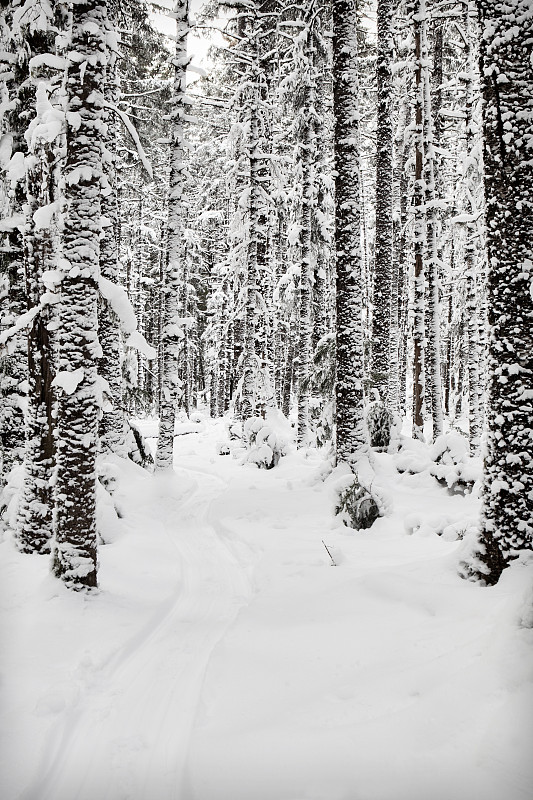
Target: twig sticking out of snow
(333, 562)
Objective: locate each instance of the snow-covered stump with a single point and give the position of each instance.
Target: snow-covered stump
(75, 549)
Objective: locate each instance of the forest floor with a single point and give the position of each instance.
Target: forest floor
(226, 658)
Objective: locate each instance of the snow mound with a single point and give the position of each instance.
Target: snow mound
(266, 440)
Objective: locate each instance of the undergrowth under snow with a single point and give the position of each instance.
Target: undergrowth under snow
(229, 656)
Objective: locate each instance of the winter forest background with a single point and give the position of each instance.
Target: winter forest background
(258, 319)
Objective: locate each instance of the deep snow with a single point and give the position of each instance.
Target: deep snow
(225, 658)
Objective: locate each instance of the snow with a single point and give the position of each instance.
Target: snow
(120, 303)
(69, 381)
(16, 169)
(44, 215)
(225, 657)
(21, 323)
(139, 343)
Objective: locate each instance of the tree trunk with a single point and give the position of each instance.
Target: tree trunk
(350, 433)
(506, 52)
(170, 337)
(75, 553)
(383, 266)
(419, 230)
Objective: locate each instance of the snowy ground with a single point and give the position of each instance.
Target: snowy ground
(225, 658)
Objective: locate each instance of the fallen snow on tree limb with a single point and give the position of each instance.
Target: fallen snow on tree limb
(138, 342)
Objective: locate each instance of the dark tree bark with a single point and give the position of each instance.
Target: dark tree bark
(75, 553)
(506, 57)
(381, 319)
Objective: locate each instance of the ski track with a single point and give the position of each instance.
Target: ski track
(141, 750)
(166, 715)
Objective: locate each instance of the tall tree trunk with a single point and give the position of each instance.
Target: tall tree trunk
(506, 53)
(75, 553)
(350, 432)
(434, 395)
(170, 337)
(113, 425)
(34, 528)
(306, 260)
(473, 350)
(419, 228)
(383, 264)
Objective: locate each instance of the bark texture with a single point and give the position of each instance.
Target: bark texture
(506, 54)
(75, 552)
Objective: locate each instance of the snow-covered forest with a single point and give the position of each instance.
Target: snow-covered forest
(266, 419)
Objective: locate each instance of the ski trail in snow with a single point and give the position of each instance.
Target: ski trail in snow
(128, 736)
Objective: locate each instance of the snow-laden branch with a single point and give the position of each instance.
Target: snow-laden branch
(22, 323)
(119, 301)
(134, 135)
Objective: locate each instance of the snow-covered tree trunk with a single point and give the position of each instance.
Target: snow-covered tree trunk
(399, 347)
(506, 53)
(419, 228)
(309, 155)
(350, 440)
(34, 528)
(350, 434)
(75, 551)
(113, 425)
(383, 261)
(473, 287)
(434, 395)
(250, 360)
(170, 335)
(16, 108)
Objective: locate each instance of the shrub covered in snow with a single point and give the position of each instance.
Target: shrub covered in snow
(412, 457)
(355, 505)
(266, 439)
(448, 460)
(380, 423)
(321, 420)
(452, 464)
